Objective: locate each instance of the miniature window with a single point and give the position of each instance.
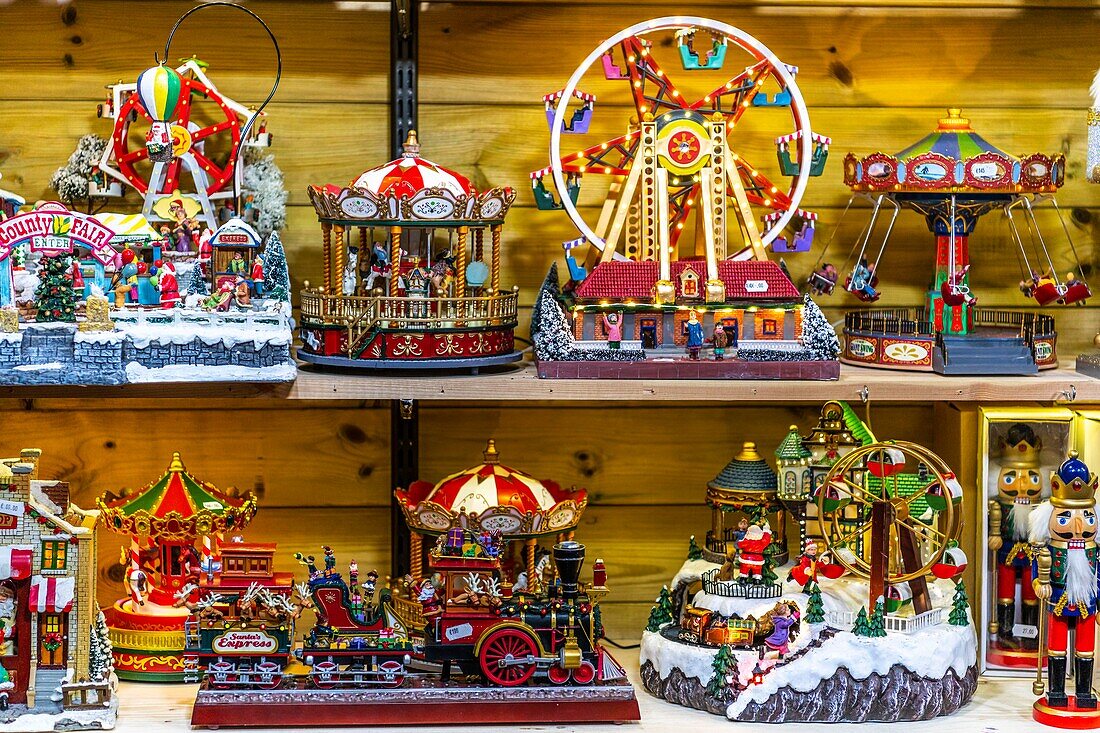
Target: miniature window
(54, 554)
(689, 284)
(234, 564)
(257, 565)
(770, 327)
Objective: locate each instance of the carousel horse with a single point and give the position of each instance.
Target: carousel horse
(442, 272)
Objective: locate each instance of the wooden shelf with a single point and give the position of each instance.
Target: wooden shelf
(1002, 705)
(519, 383)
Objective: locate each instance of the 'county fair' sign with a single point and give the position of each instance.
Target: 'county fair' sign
(51, 228)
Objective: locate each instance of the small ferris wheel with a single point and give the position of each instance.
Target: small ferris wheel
(899, 504)
(681, 160)
(206, 134)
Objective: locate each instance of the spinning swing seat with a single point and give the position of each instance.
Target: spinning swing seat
(863, 294)
(1076, 292)
(954, 294)
(1045, 292)
(714, 58)
(820, 283)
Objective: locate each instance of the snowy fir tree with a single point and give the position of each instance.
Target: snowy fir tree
(877, 622)
(661, 613)
(196, 282)
(276, 275)
(597, 621)
(100, 661)
(725, 670)
(264, 181)
(959, 607)
(818, 335)
(19, 256)
(815, 609)
(694, 551)
(862, 626)
(72, 180)
(55, 297)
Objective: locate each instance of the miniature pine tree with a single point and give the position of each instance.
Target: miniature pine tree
(19, 256)
(661, 613)
(276, 275)
(815, 609)
(878, 619)
(818, 336)
(725, 669)
(959, 607)
(55, 297)
(264, 180)
(100, 660)
(694, 551)
(72, 180)
(196, 282)
(862, 627)
(597, 621)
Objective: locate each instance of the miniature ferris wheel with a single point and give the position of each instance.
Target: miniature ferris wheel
(680, 161)
(205, 129)
(900, 504)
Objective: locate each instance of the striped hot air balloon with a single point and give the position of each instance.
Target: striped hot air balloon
(158, 93)
(158, 90)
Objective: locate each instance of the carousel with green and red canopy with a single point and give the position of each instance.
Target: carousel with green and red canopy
(953, 177)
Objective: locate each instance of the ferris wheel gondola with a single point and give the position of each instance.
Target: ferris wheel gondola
(677, 158)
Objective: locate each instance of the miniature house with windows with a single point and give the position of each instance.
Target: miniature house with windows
(54, 657)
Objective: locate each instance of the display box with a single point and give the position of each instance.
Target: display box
(1017, 449)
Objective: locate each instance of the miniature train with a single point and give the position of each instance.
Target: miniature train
(708, 628)
(241, 633)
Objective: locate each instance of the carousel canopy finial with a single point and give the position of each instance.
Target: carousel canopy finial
(411, 146)
(491, 454)
(176, 466)
(954, 120)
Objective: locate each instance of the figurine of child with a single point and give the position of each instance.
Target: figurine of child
(237, 264)
(721, 340)
(613, 323)
(863, 278)
(783, 619)
(694, 330)
(258, 276)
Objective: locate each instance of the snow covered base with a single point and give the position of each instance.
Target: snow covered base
(18, 720)
(829, 675)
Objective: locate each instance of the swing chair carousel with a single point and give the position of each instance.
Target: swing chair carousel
(686, 222)
(408, 283)
(953, 177)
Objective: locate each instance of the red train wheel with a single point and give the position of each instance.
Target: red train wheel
(508, 645)
(391, 673)
(584, 674)
(325, 675)
(558, 674)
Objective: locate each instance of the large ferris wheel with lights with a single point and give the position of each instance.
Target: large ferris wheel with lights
(679, 181)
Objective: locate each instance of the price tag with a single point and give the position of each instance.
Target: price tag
(1025, 631)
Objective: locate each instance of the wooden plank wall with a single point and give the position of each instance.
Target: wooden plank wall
(321, 469)
(875, 76)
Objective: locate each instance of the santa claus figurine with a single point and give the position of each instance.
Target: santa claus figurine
(750, 553)
(168, 285)
(810, 565)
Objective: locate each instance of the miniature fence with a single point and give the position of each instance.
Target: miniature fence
(897, 321)
(182, 316)
(486, 310)
(150, 640)
(733, 589)
(410, 612)
(86, 695)
(845, 620)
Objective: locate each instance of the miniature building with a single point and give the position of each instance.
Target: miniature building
(761, 303)
(792, 459)
(423, 288)
(749, 485)
(837, 433)
(48, 608)
(165, 520)
(234, 248)
(487, 498)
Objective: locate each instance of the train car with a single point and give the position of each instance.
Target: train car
(241, 630)
(354, 642)
(704, 626)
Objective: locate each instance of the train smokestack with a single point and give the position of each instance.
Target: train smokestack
(569, 557)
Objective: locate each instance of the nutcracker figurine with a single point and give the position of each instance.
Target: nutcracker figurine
(1019, 489)
(1065, 566)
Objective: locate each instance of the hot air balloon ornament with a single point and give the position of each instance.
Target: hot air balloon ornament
(158, 93)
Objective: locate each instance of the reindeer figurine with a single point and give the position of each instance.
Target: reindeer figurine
(204, 607)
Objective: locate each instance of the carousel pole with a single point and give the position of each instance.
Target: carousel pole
(531, 549)
(338, 260)
(416, 556)
(363, 252)
(395, 259)
(460, 262)
(495, 266)
(479, 244)
(326, 254)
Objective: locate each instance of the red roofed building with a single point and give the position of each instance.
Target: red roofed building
(762, 304)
